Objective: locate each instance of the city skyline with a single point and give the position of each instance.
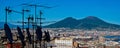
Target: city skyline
(107, 10)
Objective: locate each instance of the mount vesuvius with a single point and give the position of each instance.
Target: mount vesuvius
(87, 23)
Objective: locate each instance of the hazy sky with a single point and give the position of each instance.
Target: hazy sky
(107, 10)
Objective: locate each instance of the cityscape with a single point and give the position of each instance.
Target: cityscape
(59, 24)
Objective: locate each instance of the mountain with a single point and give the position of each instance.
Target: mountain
(67, 23)
(87, 23)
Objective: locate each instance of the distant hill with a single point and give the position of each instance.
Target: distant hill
(88, 23)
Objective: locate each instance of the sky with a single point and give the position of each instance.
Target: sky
(107, 10)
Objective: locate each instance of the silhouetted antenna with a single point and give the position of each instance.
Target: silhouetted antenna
(29, 35)
(40, 18)
(23, 10)
(35, 17)
(6, 14)
(21, 36)
(8, 33)
(39, 34)
(7, 11)
(30, 18)
(35, 6)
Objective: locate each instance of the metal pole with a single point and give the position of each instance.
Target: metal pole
(34, 27)
(6, 15)
(40, 19)
(40, 24)
(23, 19)
(28, 21)
(35, 14)
(33, 34)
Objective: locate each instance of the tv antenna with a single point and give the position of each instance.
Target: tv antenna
(22, 12)
(36, 6)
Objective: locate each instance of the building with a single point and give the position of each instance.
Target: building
(64, 42)
(101, 39)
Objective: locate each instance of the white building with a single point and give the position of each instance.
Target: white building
(64, 42)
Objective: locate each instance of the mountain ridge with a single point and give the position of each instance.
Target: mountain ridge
(87, 23)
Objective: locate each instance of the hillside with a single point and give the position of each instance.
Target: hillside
(87, 23)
